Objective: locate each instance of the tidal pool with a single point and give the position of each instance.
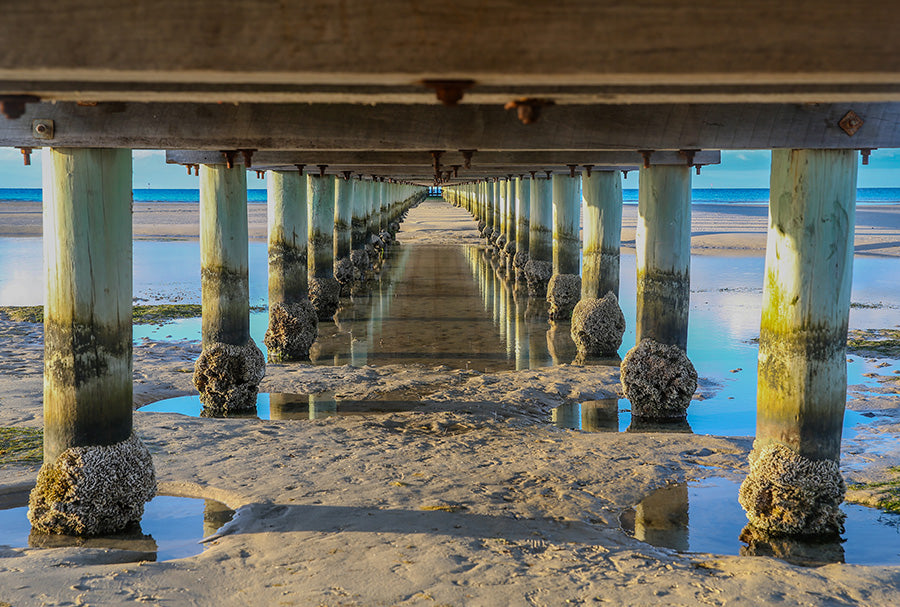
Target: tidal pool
(450, 305)
(297, 406)
(171, 528)
(705, 516)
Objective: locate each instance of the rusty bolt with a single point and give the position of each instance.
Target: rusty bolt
(532, 174)
(572, 168)
(42, 129)
(248, 157)
(588, 168)
(697, 168)
(850, 123)
(625, 174)
(449, 92)
(188, 167)
(300, 167)
(322, 168)
(13, 106)
(26, 156)
(467, 157)
(866, 152)
(229, 158)
(455, 168)
(688, 156)
(528, 109)
(347, 175)
(645, 154)
(549, 174)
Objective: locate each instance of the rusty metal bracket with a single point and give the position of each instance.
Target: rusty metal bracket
(300, 168)
(347, 175)
(528, 109)
(43, 129)
(449, 92)
(260, 174)
(549, 174)
(587, 169)
(229, 158)
(572, 168)
(646, 154)
(850, 123)
(322, 168)
(248, 157)
(688, 156)
(532, 174)
(13, 106)
(467, 157)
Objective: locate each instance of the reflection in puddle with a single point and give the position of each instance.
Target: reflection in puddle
(596, 416)
(171, 528)
(449, 305)
(275, 406)
(705, 516)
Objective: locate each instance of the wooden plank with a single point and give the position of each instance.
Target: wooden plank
(485, 128)
(366, 162)
(502, 41)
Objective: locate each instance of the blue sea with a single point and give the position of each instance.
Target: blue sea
(630, 196)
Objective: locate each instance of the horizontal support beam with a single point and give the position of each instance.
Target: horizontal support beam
(641, 43)
(494, 163)
(423, 128)
(480, 94)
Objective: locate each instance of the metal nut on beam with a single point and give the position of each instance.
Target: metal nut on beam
(42, 129)
(850, 123)
(528, 109)
(449, 92)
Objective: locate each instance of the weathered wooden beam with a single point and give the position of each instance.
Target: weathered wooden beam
(500, 163)
(423, 128)
(760, 45)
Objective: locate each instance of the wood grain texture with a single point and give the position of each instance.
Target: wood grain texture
(485, 128)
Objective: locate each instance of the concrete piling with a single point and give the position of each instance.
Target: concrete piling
(802, 380)
(293, 326)
(97, 474)
(324, 290)
(228, 371)
(564, 288)
(539, 267)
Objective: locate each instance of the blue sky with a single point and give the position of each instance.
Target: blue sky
(739, 169)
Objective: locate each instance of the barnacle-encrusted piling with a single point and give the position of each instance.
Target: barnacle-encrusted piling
(96, 474)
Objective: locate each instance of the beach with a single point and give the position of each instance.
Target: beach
(471, 499)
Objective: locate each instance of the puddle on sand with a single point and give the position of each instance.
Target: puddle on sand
(614, 415)
(171, 528)
(705, 516)
(277, 406)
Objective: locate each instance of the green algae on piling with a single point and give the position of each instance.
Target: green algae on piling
(21, 445)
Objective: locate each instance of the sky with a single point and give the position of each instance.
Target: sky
(739, 169)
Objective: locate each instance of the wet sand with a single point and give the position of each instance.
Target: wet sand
(473, 500)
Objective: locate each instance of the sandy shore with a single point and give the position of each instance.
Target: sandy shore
(472, 500)
(717, 229)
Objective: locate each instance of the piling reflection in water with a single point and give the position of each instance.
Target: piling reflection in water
(439, 305)
(704, 516)
(171, 528)
(590, 416)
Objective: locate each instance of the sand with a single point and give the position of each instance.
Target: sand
(473, 500)
(716, 229)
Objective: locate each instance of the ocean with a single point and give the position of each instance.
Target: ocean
(629, 196)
